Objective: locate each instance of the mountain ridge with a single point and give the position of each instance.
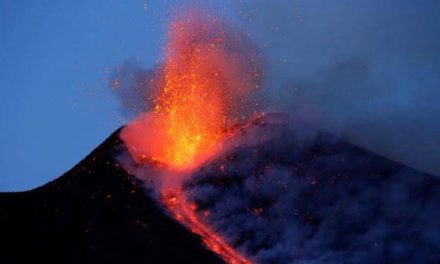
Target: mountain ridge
(93, 213)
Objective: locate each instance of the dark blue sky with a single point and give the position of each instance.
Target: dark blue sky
(366, 70)
(57, 58)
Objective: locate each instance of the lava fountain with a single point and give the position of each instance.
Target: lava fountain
(204, 86)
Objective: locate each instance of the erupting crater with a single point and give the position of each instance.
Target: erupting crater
(204, 86)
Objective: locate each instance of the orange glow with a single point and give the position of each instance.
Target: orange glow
(206, 79)
(191, 104)
(185, 212)
(203, 87)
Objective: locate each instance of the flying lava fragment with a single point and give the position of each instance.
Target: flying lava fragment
(204, 86)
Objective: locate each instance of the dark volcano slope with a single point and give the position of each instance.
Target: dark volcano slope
(95, 213)
(281, 198)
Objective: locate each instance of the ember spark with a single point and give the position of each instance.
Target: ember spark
(205, 83)
(203, 87)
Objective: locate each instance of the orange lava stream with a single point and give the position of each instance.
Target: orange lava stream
(193, 106)
(185, 213)
(204, 85)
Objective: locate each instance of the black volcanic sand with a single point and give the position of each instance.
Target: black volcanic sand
(284, 198)
(275, 195)
(95, 213)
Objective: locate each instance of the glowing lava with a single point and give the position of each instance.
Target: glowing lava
(185, 212)
(203, 87)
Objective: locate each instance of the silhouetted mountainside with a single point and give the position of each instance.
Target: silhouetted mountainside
(95, 213)
(279, 197)
(273, 194)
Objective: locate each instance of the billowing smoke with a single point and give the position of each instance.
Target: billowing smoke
(134, 85)
(368, 70)
(284, 198)
(281, 192)
(277, 191)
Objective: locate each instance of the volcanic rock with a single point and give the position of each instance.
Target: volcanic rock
(94, 213)
(278, 192)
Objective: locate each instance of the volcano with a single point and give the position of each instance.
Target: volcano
(275, 193)
(94, 213)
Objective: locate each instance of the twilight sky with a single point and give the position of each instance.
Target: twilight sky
(57, 58)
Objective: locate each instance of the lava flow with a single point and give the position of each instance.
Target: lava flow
(203, 87)
(185, 212)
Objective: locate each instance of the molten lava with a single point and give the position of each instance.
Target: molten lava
(185, 212)
(205, 83)
(204, 86)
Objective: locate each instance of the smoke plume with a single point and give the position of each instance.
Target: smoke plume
(283, 198)
(368, 70)
(278, 191)
(282, 192)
